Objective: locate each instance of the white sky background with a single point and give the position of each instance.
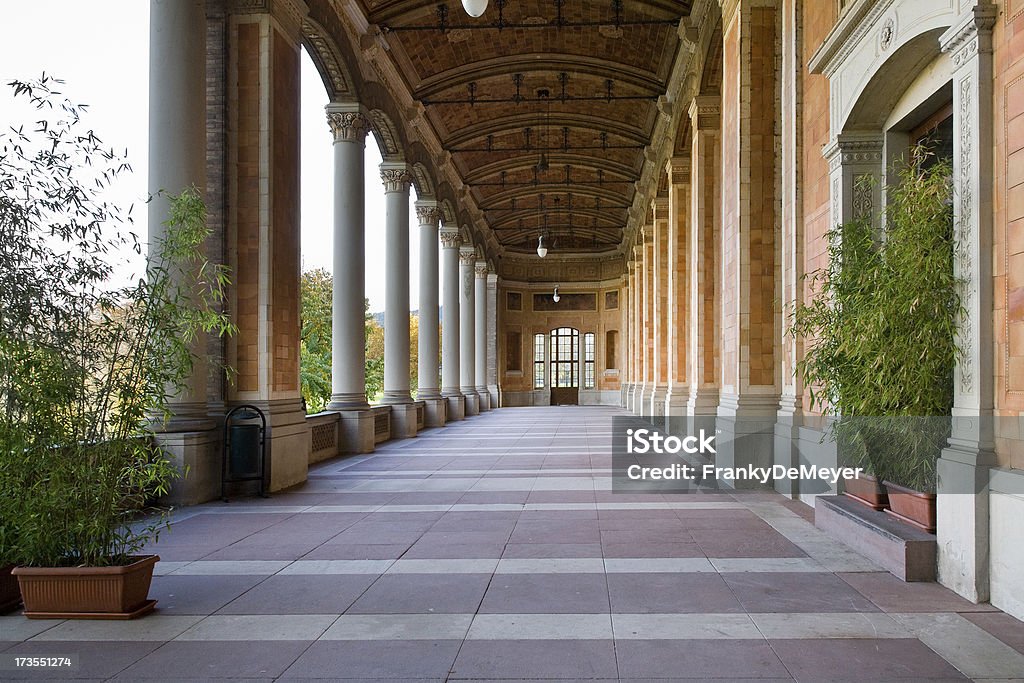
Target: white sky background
(101, 49)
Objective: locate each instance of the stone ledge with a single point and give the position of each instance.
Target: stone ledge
(906, 552)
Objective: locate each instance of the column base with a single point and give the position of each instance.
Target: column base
(356, 431)
(492, 389)
(403, 420)
(396, 397)
(745, 433)
(637, 403)
(786, 446)
(962, 525)
(472, 402)
(656, 405)
(456, 407)
(646, 393)
(436, 412)
(485, 398)
(341, 402)
(200, 455)
(624, 395)
(674, 410)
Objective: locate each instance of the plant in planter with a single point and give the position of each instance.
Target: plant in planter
(881, 333)
(86, 367)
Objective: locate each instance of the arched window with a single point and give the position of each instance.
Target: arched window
(565, 355)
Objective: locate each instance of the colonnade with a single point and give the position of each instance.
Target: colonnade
(463, 389)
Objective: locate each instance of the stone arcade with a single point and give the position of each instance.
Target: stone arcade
(680, 160)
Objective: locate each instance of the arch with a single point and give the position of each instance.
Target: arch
(423, 181)
(334, 73)
(495, 168)
(514, 123)
(387, 135)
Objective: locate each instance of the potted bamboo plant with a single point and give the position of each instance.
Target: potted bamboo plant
(881, 340)
(86, 367)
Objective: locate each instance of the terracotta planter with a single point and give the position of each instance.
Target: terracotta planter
(913, 507)
(10, 594)
(868, 490)
(88, 592)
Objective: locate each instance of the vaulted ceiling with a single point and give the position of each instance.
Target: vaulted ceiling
(545, 106)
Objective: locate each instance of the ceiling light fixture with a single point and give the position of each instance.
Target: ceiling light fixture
(474, 8)
(542, 251)
(555, 297)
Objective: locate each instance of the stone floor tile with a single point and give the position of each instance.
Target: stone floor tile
(357, 551)
(1002, 626)
(796, 592)
(546, 594)
(638, 549)
(217, 659)
(539, 659)
(673, 593)
(250, 627)
(743, 543)
(330, 594)
(698, 659)
(552, 550)
(453, 551)
(399, 627)
(388, 660)
(419, 593)
(198, 594)
(893, 595)
(540, 627)
(94, 659)
(862, 660)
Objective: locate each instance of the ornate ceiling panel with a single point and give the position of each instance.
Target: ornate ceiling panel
(546, 106)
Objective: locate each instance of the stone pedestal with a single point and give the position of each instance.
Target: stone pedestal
(436, 412)
(472, 404)
(356, 431)
(456, 408)
(200, 455)
(403, 420)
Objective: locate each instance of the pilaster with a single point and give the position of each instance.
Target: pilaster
(678, 286)
(963, 469)
(467, 329)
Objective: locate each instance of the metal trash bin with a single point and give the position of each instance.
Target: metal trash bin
(245, 447)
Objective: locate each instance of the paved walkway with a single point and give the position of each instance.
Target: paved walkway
(493, 550)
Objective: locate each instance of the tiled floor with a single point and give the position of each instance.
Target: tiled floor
(494, 550)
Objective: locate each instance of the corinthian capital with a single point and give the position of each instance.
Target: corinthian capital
(480, 269)
(348, 126)
(467, 256)
(428, 215)
(450, 239)
(395, 178)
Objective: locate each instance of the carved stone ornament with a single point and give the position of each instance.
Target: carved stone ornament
(450, 239)
(349, 126)
(467, 257)
(887, 33)
(481, 269)
(428, 215)
(396, 179)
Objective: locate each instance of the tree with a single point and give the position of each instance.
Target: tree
(315, 345)
(374, 356)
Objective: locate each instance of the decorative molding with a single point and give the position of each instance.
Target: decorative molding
(386, 135)
(678, 169)
(396, 179)
(322, 51)
(965, 232)
(853, 26)
(428, 214)
(887, 33)
(467, 256)
(481, 270)
(705, 112)
(289, 14)
(971, 36)
(348, 126)
(863, 195)
(450, 239)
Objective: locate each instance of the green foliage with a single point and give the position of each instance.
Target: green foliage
(86, 368)
(315, 349)
(317, 297)
(882, 331)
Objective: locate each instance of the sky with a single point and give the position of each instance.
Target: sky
(101, 49)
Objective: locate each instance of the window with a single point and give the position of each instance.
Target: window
(611, 337)
(538, 361)
(588, 360)
(513, 352)
(565, 357)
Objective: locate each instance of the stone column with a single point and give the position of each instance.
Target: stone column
(659, 312)
(263, 216)
(397, 179)
(492, 338)
(749, 398)
(704, 262)
(428, 374)
(177, 161)
(348, 321)
(480, 270)
(637, 341)
(963, 469)
(625, 329)
(451, 240)
(648, 292)
(678, 287)
(467, 329)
